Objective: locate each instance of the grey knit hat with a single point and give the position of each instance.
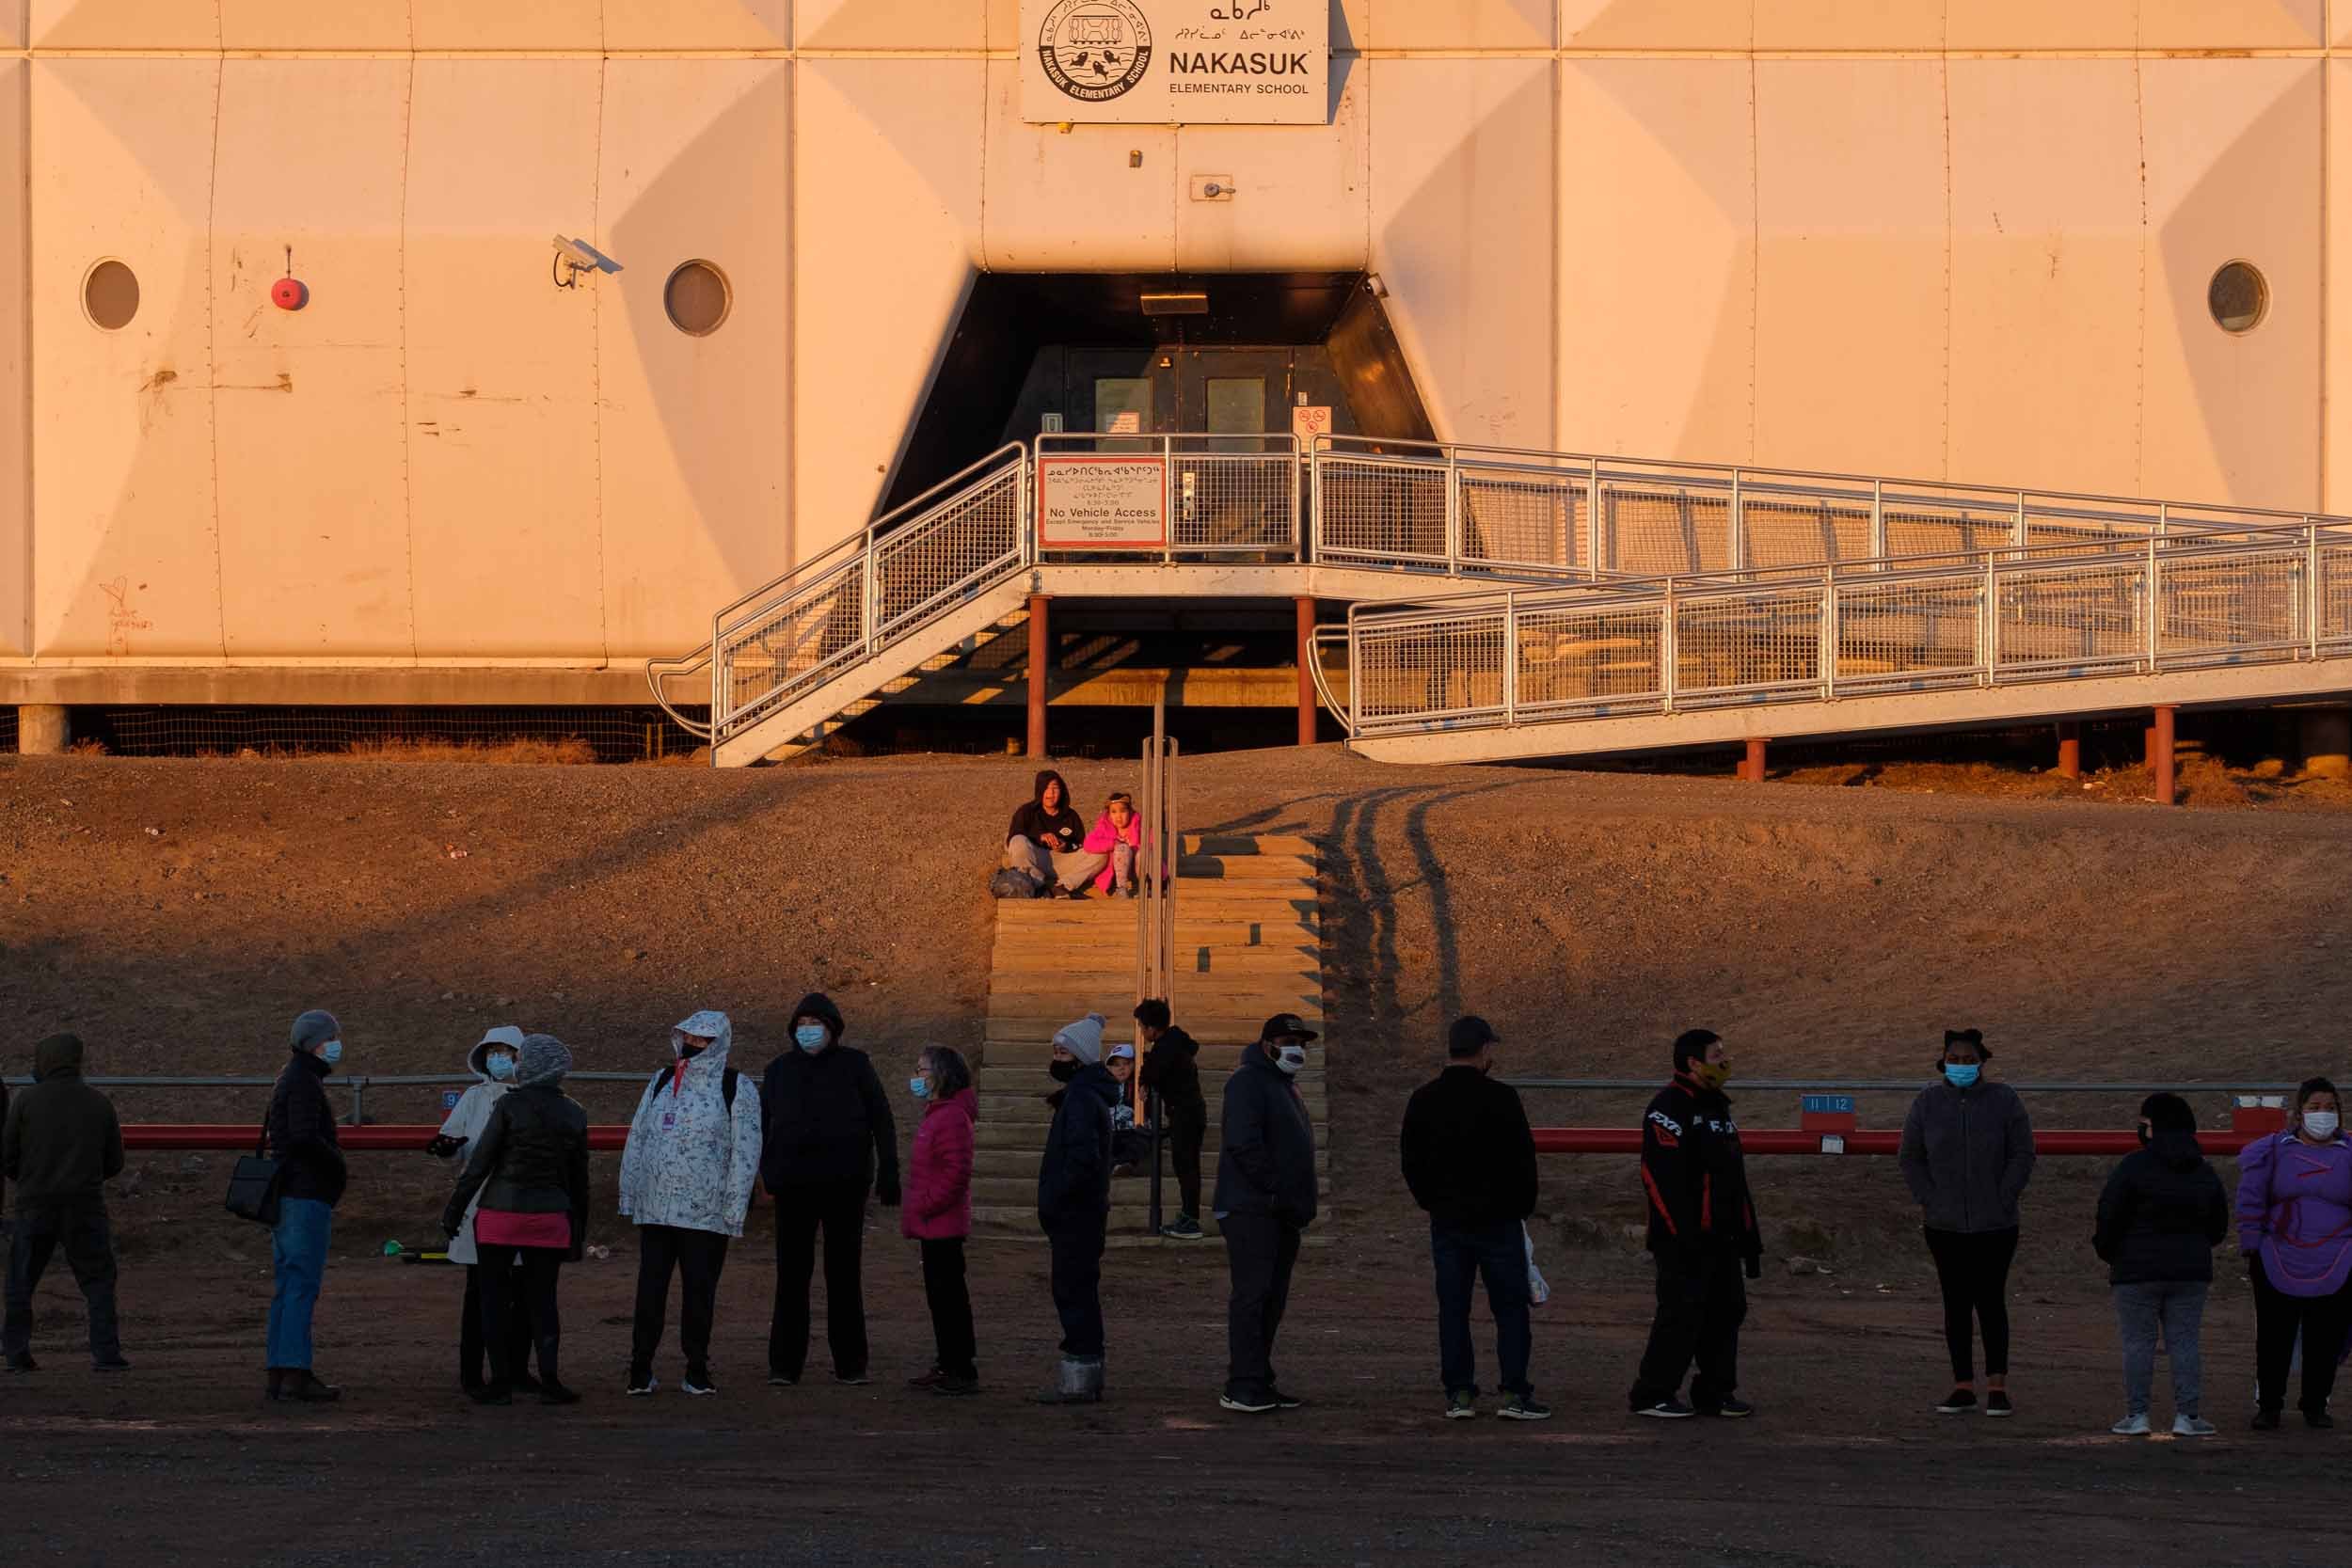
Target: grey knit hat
(545, 1060)
(314, 1029)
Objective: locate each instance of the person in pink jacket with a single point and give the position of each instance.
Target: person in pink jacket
(937, 1213)
(1118, 833)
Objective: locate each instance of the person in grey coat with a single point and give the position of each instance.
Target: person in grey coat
(1967, 1153)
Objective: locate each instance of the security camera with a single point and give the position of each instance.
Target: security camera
(574, 257)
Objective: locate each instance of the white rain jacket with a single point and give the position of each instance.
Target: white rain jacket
(690, 1161)
(471, 1115)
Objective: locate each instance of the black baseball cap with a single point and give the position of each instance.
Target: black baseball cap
(1470, 1035)
(1286, 1024)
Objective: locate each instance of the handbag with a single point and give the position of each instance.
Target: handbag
(253, 1183)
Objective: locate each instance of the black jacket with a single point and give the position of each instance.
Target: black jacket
(2163, 1212)
(1469, 1156)
(530, 1158)
(1694, 1175)
(1171, 1070)
(1074, 1180)
(825, 1120)
(301, 1129)
(61, 1138)
(1268, 1162)
(1062, 830)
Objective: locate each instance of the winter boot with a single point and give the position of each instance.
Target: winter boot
(1078, 1380)
(276, 1384)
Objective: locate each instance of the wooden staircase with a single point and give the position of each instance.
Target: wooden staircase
(1248, 944)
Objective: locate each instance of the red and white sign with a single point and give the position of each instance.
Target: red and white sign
(1309, 422)
(1102, 503)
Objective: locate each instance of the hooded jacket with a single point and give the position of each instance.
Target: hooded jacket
(1266, 1162)
(1074, 1180)
(1105, 836)
(690, 1161)
(1967, 1155)
(62, 1139)
(1468, 1154)
(301, 1127)
(2162, 1213)
(466, 1120)
(531, 1156)
(1171, 1070)
(939, 1171)
(2294, 1210)
(1061, 831)
(824, 1118)
(1694, 1174)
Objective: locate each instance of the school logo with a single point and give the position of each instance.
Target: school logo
(1095, 50)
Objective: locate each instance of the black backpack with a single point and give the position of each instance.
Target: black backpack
(1010, 883)
(726, 1084)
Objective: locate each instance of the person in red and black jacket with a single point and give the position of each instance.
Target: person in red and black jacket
(1702, 1234)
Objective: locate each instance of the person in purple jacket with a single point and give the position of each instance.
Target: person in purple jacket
(2295, 1226)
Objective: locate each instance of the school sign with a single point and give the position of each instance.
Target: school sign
(1169, 62)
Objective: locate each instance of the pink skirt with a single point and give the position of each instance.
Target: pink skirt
(506, 1227)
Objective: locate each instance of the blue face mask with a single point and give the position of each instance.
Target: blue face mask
(331, 1052)
(810, 1037)
(1961, 1075)
(919, 1087)
(501, 1068)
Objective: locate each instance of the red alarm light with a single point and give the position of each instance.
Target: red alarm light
(290, 293)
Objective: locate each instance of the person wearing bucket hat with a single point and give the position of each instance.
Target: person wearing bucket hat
(1074, 1205)
(1265, 1197)
(529, 1176)
(301, 1131)
(492, 1061)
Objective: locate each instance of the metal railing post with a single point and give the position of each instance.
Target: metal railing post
(2155, 612)
(1738, 543)
(1510, 659)
(1989, 624)
(871, 588)
(1668, 651)
(2018, 538)
(1878, 518)
(1592, 517)
(1827, 645)
(358, 1101)
(719, 664)
(1453, 516)
(2311, 583)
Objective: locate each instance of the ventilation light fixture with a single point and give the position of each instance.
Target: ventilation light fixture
(1176, 304)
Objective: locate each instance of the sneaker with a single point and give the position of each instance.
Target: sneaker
(1183, 1228)
(1997, 1403)
(2192, 1426)
(929, 1380)
(523, 1382)
(641, 1384)
(1734, 1409)
(1116, 892)
(492, 1393)
(2318, 1418)
(1284, 1402)
(2132, 1426)
(1249, 1402)
(1525, 1407)
(958, 1388)
(704, 1386)
(1958, 1402)
(1461, 1406)
(2266, 1420)
(112, 1364)
(851, 1380)
(1667, 1409)
(24, 1363)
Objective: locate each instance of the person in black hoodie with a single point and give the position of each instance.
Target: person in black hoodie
(301, 1131)
(1171, 1072)
(1074, 1205)
(1265, 1196)
(1047, 841)
(2161, 1215)
(62, 1143)
(1702, 1235)
(827, 1143)
(1469, 1160)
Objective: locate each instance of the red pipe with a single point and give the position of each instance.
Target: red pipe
(1788, 1140)
(203, 1137)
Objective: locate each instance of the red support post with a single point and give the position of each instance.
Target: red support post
(2160, 754)
(1040, 662)
(1306, 670)
(2070, 748)
(1752, 770)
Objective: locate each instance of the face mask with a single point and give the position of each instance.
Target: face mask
(1710, 1075)
(1961, 1075)
(1063, 1072)
(2144, 1135)
(810, 1037)
(2320, 1124)
(501, 1068)
(332, 1051)
(919, 1087)
(691, 1050)
(1290, 1058)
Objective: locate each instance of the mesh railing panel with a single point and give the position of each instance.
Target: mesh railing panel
(938, 557)
(814, 629)
(1383, 508)
(1652, 533)
(2335, 592)
(1913, 530)
(1571, 656)
(2231, 604)
(1233, 501)
(1750, 639)
(2072, 615)
(1907, 629)
(1783, 532)
(1430, 669)
(1525, 520)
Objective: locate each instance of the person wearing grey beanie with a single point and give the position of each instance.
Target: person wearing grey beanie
(300, 1128)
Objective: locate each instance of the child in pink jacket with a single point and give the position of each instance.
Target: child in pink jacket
(1117, 833)
(937, 1213)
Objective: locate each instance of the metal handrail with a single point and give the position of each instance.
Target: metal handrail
(660, 668)
(1184, 456)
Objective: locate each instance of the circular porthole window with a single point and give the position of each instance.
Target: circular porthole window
(697, 298)
(110, 295)
(2238, 296)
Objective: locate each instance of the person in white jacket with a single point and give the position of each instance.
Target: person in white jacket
(492, 1060)
(686, 1178)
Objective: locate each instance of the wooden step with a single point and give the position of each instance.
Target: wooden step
(1196, 959)
(1247, 844)
(1192, 869)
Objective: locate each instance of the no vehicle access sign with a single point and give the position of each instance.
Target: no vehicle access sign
(1102, 503)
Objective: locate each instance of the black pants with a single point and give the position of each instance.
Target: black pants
(470, 1321)
(1702, 1300)
(839, 1208)
(2323, 1321)
(1497, 1252)
(78, 1225)
(1076, 1245)
(956, 1351)
(518, 1308)
(1263, 1252)
(1187, 1126)
(698, 1256)
(1973, 1270)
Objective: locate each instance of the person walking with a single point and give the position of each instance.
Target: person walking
(2160, 1216)
(525, 1193)
(1966, 1154)
(1074, 1205)
(1171, 1072)
(61, 1143)
(2295, 1227)
(827, 1143)
(686, 1179)
(1265, 1197)
(300, 1127)
(492, 1061)
(1703, 1237)
(1469, 1160)
(937, 1215)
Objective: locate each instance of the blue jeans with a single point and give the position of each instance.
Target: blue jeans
(298, 1250)
(2178, 1307)
(1499, 1253)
